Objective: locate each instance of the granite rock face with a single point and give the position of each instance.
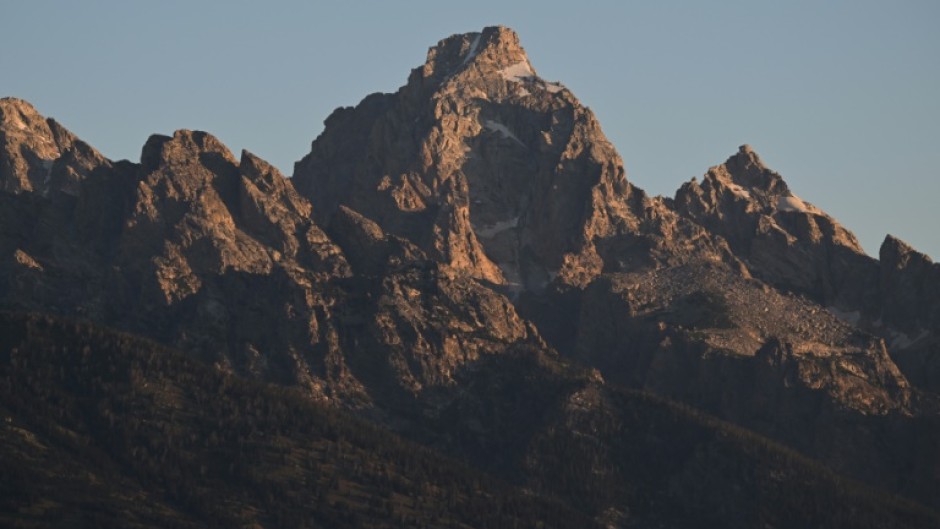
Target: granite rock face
(495, 171)
(221, 257)
(474, 235)
(38, 153)
(794, 246)
(508, 178)
(784, 240)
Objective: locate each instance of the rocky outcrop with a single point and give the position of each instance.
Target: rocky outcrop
(909, 287)
(61, 206)
(221, 257)
(784, 240)
(909, 318)
(494, 171)
(409, 324)
(38, 154)
(794, 246)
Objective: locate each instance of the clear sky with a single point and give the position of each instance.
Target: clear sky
(841, 98)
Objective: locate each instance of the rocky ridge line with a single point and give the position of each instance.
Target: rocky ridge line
(449, 226)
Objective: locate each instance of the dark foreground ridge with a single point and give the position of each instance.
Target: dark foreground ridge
(106, 429)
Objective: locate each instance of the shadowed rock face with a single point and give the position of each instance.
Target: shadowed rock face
(909, 317)
(775, 363)
(433, 236)
(910, 287)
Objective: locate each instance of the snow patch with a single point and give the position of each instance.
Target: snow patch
(513, 278)
(791, 203)
(496, 126)
(47, 167)
(473, 49)
(900, 340)
(522, 72)
(794, 203)
(518, 72)
(496, 228)
(851, 318)
(553, 88)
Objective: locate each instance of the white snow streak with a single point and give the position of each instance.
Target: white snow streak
(554, 88)
(794, 203)
(518, 72)
(496, 126)
(791, 203)
(473, 49)
(498, 227)
(851, 318)
(47, 166)
(901, 340)
(513, 278)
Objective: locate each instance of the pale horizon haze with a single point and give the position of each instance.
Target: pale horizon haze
(841, 98)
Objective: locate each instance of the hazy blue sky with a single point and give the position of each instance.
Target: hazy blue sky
(839, 97)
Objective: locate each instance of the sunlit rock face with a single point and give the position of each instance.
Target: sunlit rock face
(494, 171)
(222, 258)
(38, 154)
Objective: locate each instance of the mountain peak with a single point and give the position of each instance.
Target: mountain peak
(894, 250)
(747, 154)
(31, 144)
(747, 169)
(784, 240)
(19, 118)
(895, 243)
(511, 179)
(181, 146)
(494, 49)
(17, 114)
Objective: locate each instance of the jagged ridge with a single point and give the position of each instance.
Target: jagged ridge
(452, 224)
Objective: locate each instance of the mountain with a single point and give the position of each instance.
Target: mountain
(464, 264)
(732, 278)
(787, 242)
(496, 172)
